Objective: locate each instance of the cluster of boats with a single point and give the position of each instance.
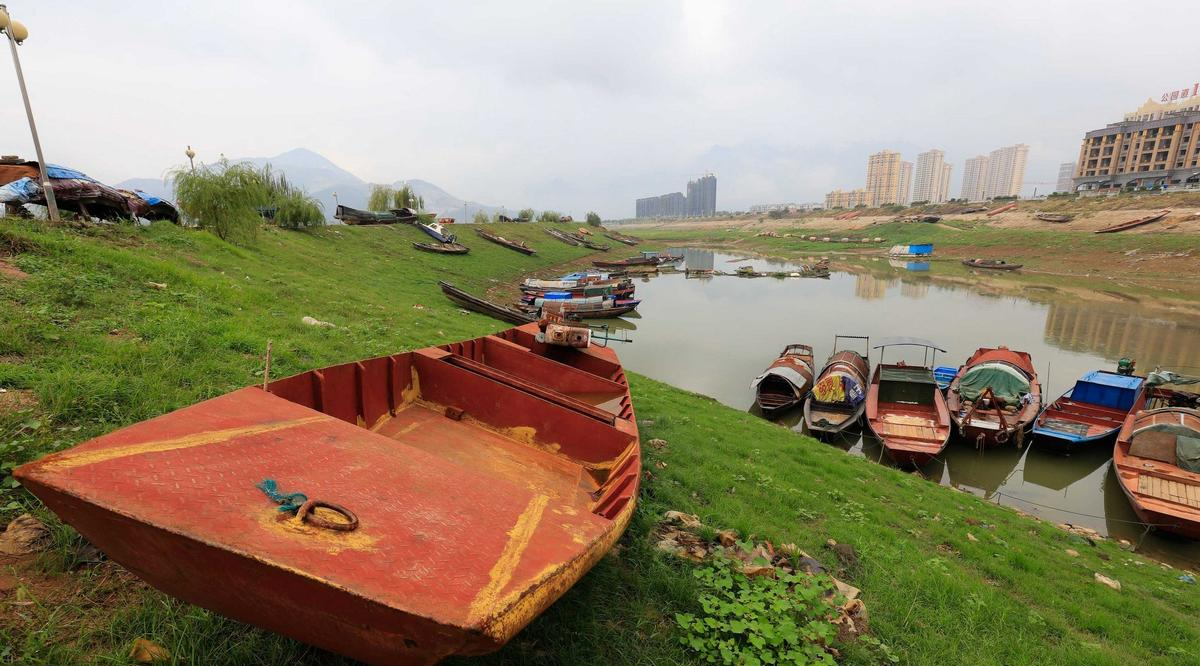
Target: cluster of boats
(995, 399)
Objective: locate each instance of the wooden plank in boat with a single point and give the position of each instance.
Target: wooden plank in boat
(1173, 491)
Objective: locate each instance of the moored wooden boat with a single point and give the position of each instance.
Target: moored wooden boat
(1157, 461)
(1091, 411)
(621, 238)
(517, 245)
(443, 248)
(839, 396)
(905, 407)
(437, 231)
(625, 263)
(991, 264)
(495, 310)
(786, 381)
(350, 215)
(995, 397)
(1054, 217)
(1113, 228)
(566, 238)
(449, 495)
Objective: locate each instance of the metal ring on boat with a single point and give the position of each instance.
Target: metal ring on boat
(307, 514)
(1001, 436)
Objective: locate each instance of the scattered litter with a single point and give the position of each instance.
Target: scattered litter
(418, 306)
(157, 285)
(1105, 580)
(657, 444)
(1188, 578)
(146, 651)
(972, 538)
(24, 535)
(313, 321)
(661, 464)
(1072, 552)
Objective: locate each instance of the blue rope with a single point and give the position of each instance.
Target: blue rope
(287, 502)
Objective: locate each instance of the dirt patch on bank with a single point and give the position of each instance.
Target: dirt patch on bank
(17, 400)
(8, 270)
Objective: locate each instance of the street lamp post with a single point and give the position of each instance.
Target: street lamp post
(191, 155)
(17, 33)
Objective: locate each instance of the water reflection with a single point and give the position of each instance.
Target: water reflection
(714, 335)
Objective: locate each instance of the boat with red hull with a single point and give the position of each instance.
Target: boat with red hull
(905, 407)
(1157, 461)
(450, 495)
(995, 397)
(786, 381)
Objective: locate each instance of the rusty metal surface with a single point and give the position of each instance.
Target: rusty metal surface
(463, 529)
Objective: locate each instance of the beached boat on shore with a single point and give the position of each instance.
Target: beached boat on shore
(905, 407)
(839, 396)
(786, 382)
(991, 264)
(395, 510)
(1113, 228)
(1056, 218)
(443, 248)
(1091, 411)
(437, 231)
(995, 397)
(517, 245)
(476, 304)
(1157, 462)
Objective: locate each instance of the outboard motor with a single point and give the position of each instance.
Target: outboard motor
(555, 330)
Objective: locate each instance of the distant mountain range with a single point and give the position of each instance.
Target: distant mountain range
(322, 178)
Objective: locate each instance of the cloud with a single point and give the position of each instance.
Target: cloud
(580, 106)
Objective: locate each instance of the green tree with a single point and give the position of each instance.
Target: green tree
(222, 198)
(406, 198)
(526, 214)
(480, 217)
(380, 199)
(547, 216)
(294, 207)
(593, 219)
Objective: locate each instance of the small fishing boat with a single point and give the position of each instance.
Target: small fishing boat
(905, 408)
(1091, 411)
(476, 304)
(621, 238)
(566, 238)
(625, 263)
(1057, 218)
(620, 290)
(1133, 223)
(395, 510)
(911, 250)
(839, 396)
(991, 264)
(443, 248)
(607, 310)
(517, 245)
(349, 215)
(1157, 461)
(995, 397)
(590, 244)
(584, 231)
(437, 231)
(786, 381)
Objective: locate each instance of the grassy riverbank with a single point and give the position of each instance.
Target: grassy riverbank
(88, 343)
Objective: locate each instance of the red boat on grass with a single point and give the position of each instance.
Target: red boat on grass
(395, 510)
(905, 407)
(995, 397)
(1157, 461)
(786, 381)
(1137, 222)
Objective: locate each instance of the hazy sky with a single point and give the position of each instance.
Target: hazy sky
(574, 107)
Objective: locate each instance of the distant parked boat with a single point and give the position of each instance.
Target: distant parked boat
(1054, 217)
(991, 264)
(786, 381)
(839, 396)
(995, 397)
(911, 250)
(1091, 411)
(1133, 223)
(566, 238)
(437, 231)
(1157, 461)
(494, 310)
(517, 245)
(354, 216)
(442, 248)
(625, 263)
(905, 407)
(621, 238)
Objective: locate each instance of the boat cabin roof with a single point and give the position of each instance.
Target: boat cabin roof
(908, 375)
(910, 342)
(1107, 389)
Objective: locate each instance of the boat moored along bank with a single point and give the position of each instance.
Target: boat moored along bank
(905, 407)
(839, 396)
(1090, 412)
(1157, 462)
(995, 397)
(786, 382)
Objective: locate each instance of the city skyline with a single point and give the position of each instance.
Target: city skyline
(700, 201)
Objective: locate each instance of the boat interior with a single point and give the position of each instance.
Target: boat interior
(908, 409)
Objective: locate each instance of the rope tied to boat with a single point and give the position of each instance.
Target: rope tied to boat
(288, 502)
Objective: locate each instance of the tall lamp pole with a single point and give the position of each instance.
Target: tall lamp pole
(17, 33)
(191, 155)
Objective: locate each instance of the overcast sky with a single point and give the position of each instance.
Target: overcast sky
(574, 107)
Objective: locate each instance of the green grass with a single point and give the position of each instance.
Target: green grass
(934, 596)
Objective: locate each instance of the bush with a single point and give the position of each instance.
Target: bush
(381, 198)
(406, 198)
(526, 214)
(548, 216)
(294, 208)
(222, 198)
(593, 219)
(480, 217)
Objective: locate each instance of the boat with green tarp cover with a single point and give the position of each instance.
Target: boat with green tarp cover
(995, 397)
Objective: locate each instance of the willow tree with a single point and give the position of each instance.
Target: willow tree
(480, 217)
(381, 198)
(549, 216)
(222, 198)
(294, 207)
(526, 214)
(593, 219)
(405, 197)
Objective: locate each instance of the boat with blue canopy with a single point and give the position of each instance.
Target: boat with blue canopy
(1092, 411)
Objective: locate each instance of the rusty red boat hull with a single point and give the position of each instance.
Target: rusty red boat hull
(912, 433)
(985, 428)
(1161, 493)
(487, 477)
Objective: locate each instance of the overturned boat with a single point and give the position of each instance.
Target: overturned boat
(395, 510)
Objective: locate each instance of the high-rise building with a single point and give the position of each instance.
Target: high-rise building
(883, 178)
(975, 176)
(700, 201)
(1162, 151)
(906, 176)
(846, 199)
(1006, 171)
(932, 181)
(1066, 171)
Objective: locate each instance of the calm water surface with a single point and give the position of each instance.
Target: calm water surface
(714, 335)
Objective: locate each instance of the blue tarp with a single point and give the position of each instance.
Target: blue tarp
(21, 191)
(149, 198)
(1107, 389)
(59, 172)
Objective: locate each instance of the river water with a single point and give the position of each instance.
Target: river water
(714, 335)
